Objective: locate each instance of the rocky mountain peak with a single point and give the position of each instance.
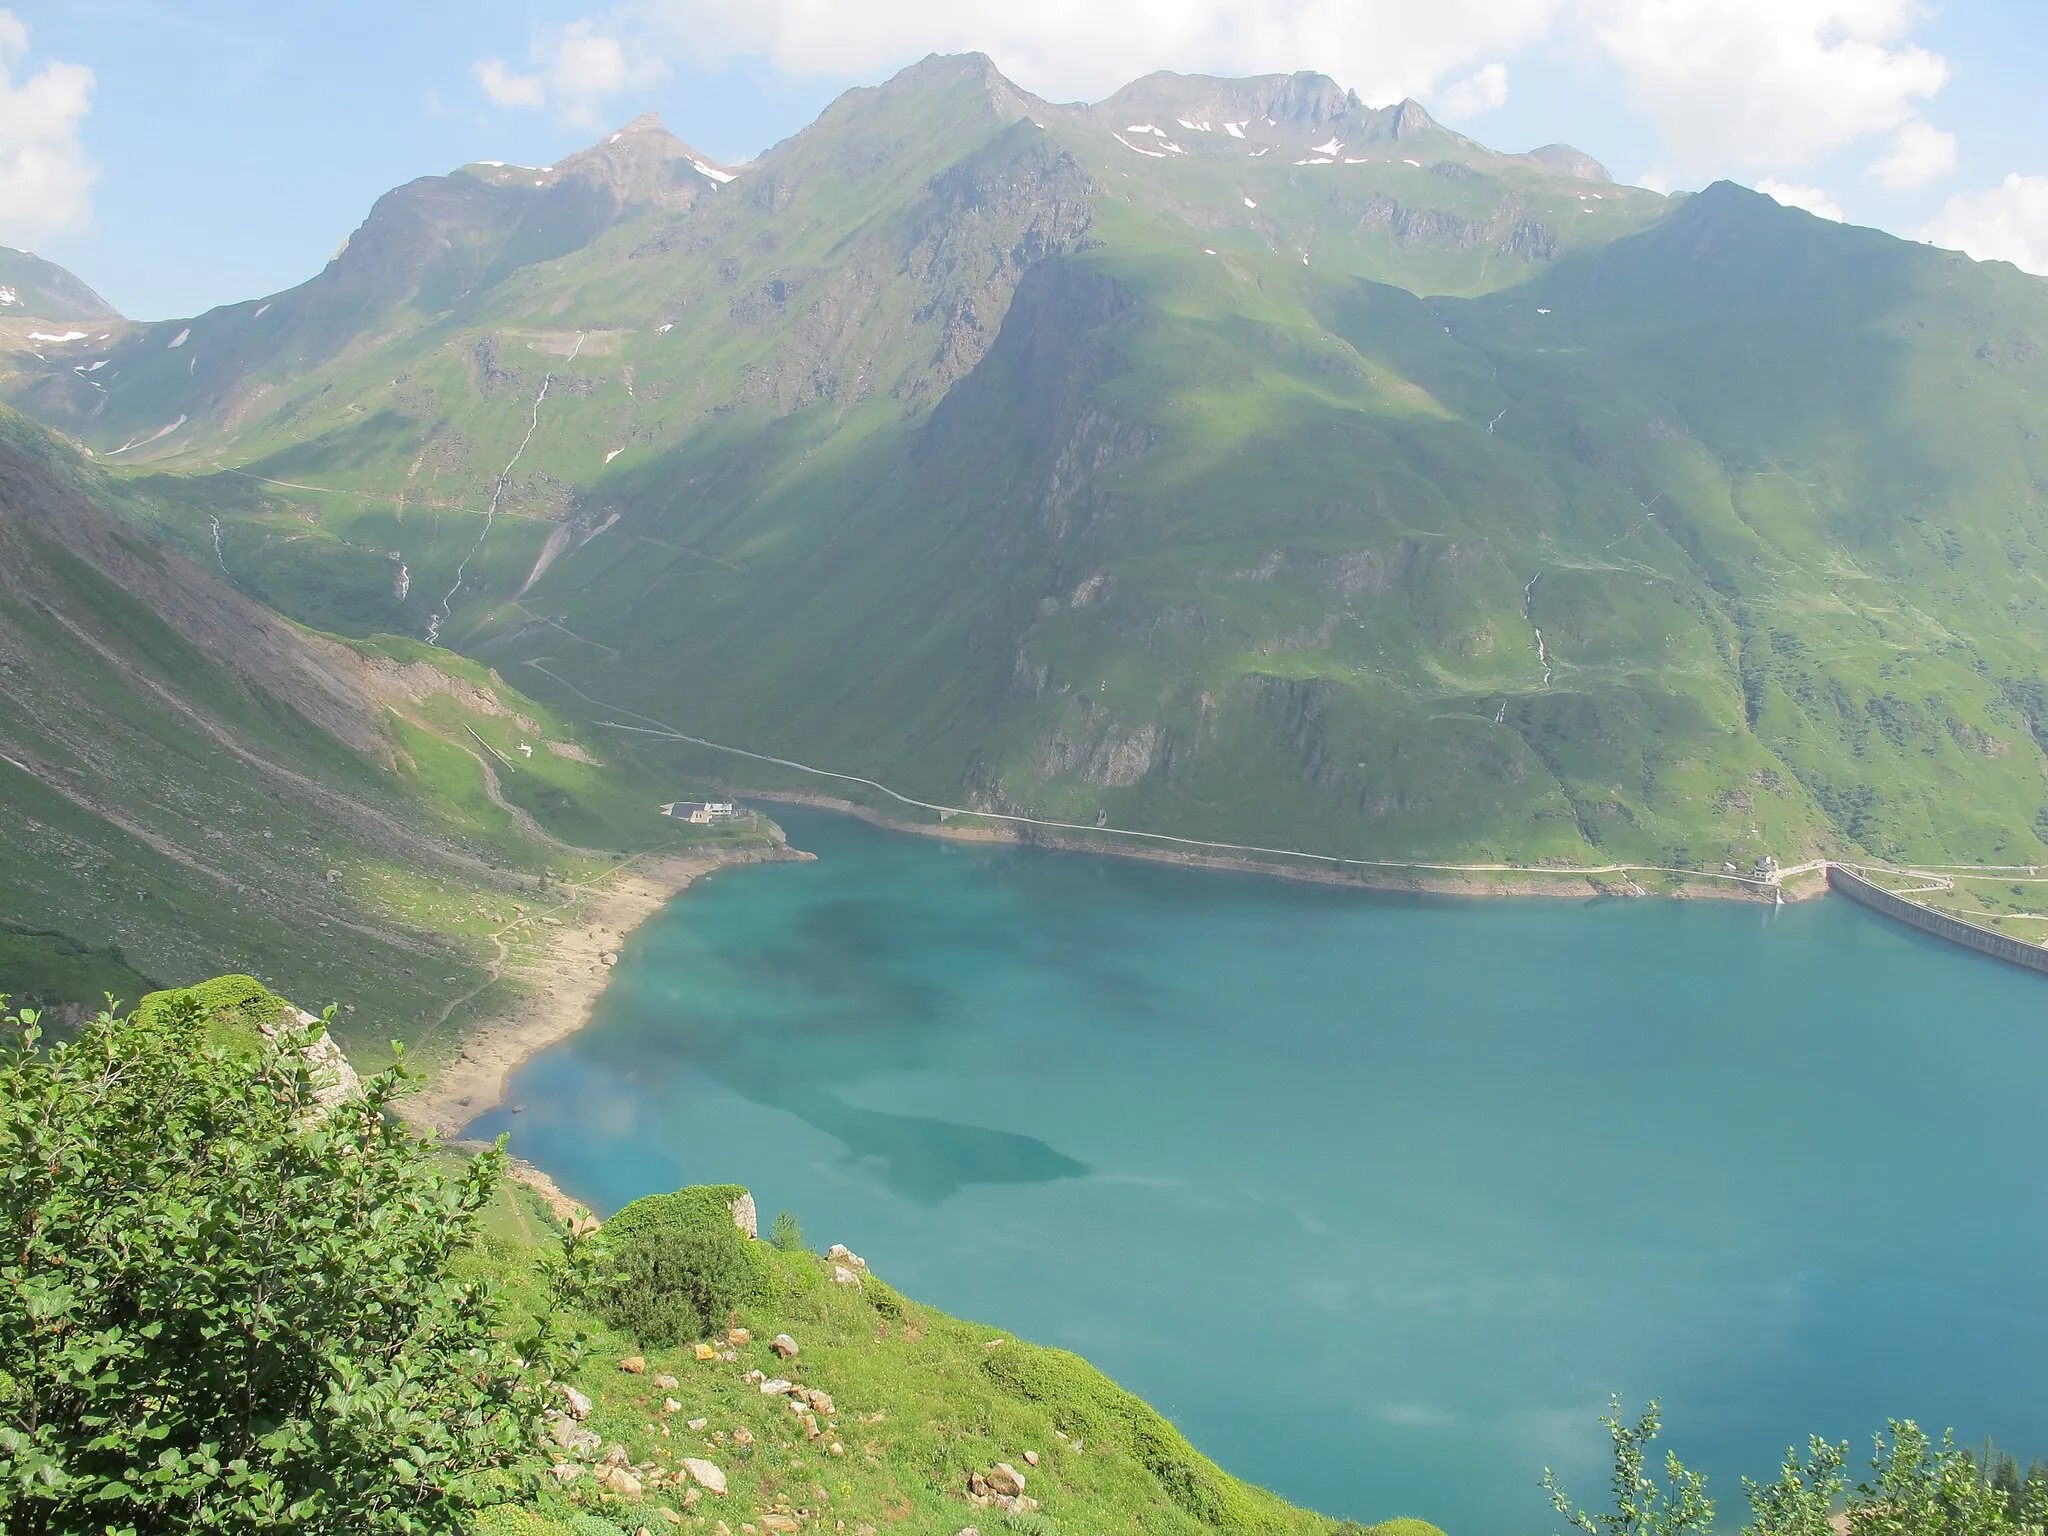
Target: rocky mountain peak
(1302, 114)
(1572, 162)
(643, 165)
(1257, 106)
(940, 74)
(1409, 119)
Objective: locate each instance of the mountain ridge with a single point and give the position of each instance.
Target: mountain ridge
(1388, 496)
(35, 289)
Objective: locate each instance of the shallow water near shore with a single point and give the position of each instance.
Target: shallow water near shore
(1378, 1197)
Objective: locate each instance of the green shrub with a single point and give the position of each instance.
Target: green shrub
(224, 1308)
(510, 1520)
(885, 1299)
(787, 1233)
(680, 1265)
(236, 1009)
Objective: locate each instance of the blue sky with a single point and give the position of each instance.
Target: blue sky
(182, 153)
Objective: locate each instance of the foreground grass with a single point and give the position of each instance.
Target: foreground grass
(919, 1402)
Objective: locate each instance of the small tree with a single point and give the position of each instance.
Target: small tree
(1918, 1488)
(1921, 1487)
(1641, 1507)
(1803, 1500)
(226, 1308)
(787, 1233)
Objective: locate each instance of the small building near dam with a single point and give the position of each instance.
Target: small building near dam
(702, 812)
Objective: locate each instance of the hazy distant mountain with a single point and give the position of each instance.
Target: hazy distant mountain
(426, 248)
(1227, 457)
(34, 289)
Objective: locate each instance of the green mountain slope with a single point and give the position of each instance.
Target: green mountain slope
(1227, 458)
(186, 781)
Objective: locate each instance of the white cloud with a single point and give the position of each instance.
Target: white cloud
(1766, 85)
(2008, 222)
(508, 89)
(587, 63)
(1813, 199)
(576, 68)
(1084, 49)
(45, 175)
(1920, 153)
(1484, 90)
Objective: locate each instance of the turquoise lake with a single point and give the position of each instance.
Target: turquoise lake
(1378, 1197)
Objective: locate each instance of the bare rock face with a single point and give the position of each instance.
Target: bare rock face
(745, 1217)
(333, 1078)
(1103, 755)
(706, 1473)
(1001, 1487)
(644, 166)
(1119, 761)
(621, 1481)
(570, 1436)
(414, 682)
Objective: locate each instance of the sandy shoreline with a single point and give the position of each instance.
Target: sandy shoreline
(565, 983)
(1352, 877)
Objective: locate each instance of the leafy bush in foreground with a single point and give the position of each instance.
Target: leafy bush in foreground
(1918, 1487)
(681, 1265)
(223, 1308)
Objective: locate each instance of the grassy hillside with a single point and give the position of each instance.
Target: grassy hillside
(1227, 459)
(191, 785)
(919, 1403)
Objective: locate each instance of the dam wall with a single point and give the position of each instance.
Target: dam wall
(1942, 926)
